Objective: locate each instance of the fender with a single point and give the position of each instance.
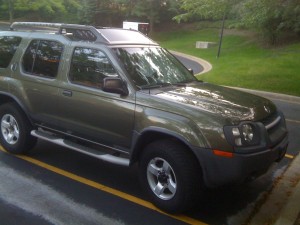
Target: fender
(7, 97)
(167, 125)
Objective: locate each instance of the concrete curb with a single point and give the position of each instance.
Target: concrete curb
(282, 205)
(205, 64)
(271, 95)
(291, 210)
(5, 23)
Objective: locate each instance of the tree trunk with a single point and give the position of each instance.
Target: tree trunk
(11, 10)
(151, 25)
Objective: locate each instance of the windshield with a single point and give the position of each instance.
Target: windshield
(151, 67)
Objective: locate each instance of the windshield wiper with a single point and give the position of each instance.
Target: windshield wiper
(157, 85)
(185, 83)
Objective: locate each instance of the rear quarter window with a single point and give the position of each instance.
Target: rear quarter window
(8, 47)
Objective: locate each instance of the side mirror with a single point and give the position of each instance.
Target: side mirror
(191, 71)
(114, 85)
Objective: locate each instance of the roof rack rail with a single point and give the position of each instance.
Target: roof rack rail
(74, 32)
(33, 26)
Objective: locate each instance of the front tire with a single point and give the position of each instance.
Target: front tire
(15, 129)
(170, 175)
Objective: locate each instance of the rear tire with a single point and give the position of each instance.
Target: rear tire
(170, 175)
(15, 130)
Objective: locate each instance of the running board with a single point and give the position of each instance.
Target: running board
(80, 148)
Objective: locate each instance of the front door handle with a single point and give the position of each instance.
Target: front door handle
(67, 93)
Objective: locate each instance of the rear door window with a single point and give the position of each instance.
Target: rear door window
(42, 58)
(8, 47)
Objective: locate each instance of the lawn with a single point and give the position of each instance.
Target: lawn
(244, 61)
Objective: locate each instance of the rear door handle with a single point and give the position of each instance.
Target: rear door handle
(67, 93)
(14, 66)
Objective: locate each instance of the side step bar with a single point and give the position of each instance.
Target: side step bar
(80, 148)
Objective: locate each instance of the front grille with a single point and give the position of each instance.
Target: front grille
(273, 124)
(276, 128)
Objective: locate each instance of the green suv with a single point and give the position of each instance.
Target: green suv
(116, 95)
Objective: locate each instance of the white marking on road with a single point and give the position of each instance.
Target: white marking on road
(36, 198)
(285, 100)
(292, 121)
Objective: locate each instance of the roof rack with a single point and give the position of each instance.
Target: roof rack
(74, 32)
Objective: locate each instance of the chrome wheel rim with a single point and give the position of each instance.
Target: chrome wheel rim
(161, 178)
(10, 129)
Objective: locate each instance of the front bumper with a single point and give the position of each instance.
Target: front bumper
(219, 171)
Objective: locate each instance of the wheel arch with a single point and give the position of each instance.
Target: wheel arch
(8, 98)
(154, 134)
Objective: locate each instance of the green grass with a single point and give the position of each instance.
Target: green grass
(243, 61)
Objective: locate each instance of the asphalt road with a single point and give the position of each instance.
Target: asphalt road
(53, 185)
(190, 64)
(4, 26)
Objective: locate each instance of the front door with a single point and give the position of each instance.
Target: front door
(87, 111)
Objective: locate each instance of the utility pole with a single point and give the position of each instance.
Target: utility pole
(221, 35)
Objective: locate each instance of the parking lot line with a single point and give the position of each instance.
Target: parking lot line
(292, 121)
(106, 189)
(289, 156)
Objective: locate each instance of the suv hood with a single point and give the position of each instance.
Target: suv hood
(227, 102)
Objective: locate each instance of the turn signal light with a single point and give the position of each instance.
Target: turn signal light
(223, 154)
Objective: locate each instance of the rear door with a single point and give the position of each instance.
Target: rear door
(36, 78)
(8, 45)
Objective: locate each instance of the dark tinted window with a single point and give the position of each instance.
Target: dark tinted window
(8, 47)
(89, 67)
(42, 58)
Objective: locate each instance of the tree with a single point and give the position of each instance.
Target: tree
(72, 8)
(264, 15)
(8, 6)
(39, 9)
(271, 17)
(87, 12)
(102, 12)
(291, 16)
(11, 10)
(205, 9)
(152, 11)
(149, 10)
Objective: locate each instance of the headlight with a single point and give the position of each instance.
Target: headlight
(245, 134)
(237, 136)
(248, 133)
